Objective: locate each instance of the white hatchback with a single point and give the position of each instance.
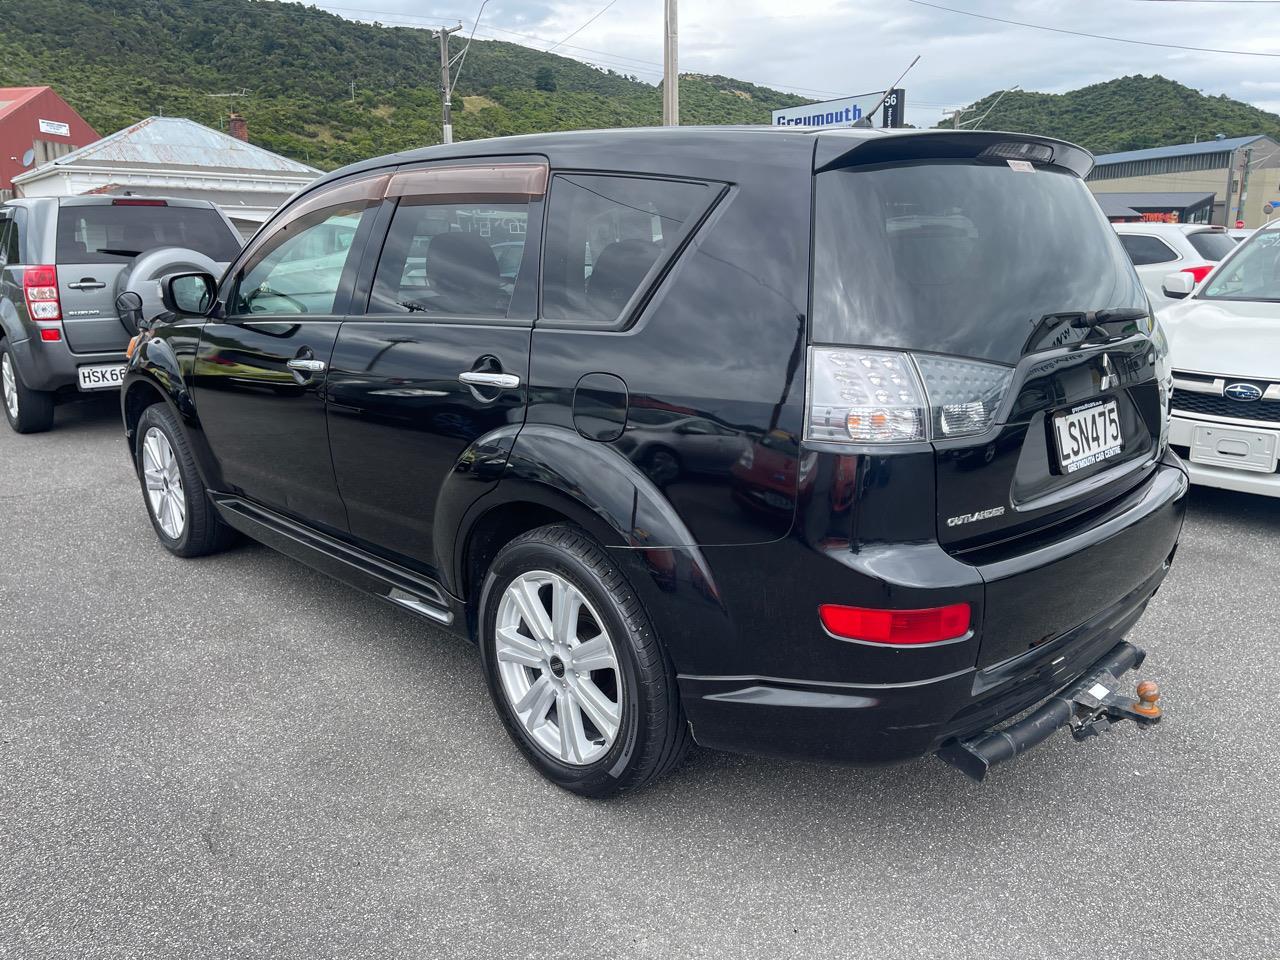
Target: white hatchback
(1157, 249)
(1224, 342)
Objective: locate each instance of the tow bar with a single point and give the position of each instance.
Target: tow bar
(1089, 706)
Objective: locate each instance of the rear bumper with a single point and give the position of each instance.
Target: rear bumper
(878, 723)
(52, 366)
(1181, 431)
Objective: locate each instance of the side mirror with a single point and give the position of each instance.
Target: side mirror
(190, 294)
(129, 310)
(1176, 286)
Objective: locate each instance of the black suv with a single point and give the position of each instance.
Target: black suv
(63, 262)
(840, 445)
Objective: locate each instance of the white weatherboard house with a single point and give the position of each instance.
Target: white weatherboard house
(175, 157)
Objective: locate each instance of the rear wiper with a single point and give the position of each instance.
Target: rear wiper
(1091, 320)
(120, 253)
(411, 305)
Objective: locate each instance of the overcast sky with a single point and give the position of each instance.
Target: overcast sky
(823, 49)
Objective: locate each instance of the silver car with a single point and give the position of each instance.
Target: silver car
(63, 263)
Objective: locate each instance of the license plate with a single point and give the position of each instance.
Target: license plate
(101, 376)
(1239, 449)
(1088, 435)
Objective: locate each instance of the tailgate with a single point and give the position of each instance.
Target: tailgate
(89, 318)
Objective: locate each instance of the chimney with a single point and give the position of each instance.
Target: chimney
(238, 127)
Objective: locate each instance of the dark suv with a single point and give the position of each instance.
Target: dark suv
(63, 262)
(839, 445)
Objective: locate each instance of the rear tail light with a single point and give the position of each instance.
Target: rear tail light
(882, 396)
(50, 334)
(40, 287)
(1198, 273)
(896, 627)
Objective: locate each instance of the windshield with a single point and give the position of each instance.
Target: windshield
(1212, 245)
(1253, 274)
(110, 233)
(960, 257)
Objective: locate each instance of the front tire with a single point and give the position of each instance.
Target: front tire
(181, 513)
(576, 673)
(28, 411)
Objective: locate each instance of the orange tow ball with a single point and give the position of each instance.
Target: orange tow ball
(1148, 700)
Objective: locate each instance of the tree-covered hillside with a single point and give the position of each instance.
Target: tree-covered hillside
(117, 61)
(1129, 113)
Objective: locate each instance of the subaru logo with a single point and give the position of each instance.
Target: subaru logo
(1244, 392)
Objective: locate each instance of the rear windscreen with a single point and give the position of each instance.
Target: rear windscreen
(959, 257)
(1212, 246)
(116, 234)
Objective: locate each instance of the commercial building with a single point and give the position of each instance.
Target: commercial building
(175, 157)
(36, 126)
(1242, 174)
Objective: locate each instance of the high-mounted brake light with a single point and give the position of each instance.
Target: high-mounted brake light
(40, 287)
(1020, 150)
(131, 202)
(896, 627)
(1200, 272)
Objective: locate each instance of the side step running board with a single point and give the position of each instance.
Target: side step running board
(1089, 706)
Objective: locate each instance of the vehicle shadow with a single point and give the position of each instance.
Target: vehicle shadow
(1226, 506)
(96, 414)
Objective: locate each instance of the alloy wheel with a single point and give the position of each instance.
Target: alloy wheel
(164, 484)
(9, 384)
(558, 667)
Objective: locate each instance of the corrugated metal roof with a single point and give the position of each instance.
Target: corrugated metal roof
(175, 142)
(1177, 150)
(1147, 201)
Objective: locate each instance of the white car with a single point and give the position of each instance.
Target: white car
(1239, 234)
(1157, 249)
(1224, 346)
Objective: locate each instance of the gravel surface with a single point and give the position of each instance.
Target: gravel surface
(237, 757)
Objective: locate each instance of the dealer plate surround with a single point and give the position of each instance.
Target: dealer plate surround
(1087, 434)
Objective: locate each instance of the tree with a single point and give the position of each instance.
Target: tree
(545, 79)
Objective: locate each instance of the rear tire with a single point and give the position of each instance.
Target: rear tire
(591, 699)
(181, 512)
(28, 411)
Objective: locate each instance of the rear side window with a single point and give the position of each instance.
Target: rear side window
(1143, 249)
(1211, 245)
(451, 258)
(605, 235)
(9, 242)
(111, 233)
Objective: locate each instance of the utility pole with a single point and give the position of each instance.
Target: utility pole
(670, 69)
(446, 89)
(1244, 185)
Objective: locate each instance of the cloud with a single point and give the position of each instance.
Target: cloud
(824, 49)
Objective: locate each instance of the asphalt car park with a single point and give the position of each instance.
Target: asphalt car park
(239, 757)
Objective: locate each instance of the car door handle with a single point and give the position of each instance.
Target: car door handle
(88, 283)
(478, 378)
(306, 365)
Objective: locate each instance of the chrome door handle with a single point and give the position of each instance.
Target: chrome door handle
(87, 285)
(303, 365)
(476, 378)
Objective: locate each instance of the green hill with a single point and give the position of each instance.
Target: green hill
(1130, 113)
(117, 61)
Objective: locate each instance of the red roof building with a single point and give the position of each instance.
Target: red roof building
(36, 126)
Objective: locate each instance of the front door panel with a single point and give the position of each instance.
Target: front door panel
(400, 421)
(264, 419)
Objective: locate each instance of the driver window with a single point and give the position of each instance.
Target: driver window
(299, 269)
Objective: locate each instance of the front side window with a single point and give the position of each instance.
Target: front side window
(299, 269)
(605, 234)
(1252, 274)
(1143, 249)
(451, 258)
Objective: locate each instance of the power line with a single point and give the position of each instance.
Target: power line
(599, 13)
(1092, 36)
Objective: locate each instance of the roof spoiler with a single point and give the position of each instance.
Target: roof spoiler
(835, 150)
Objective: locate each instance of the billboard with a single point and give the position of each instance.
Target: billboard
(846, 111)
